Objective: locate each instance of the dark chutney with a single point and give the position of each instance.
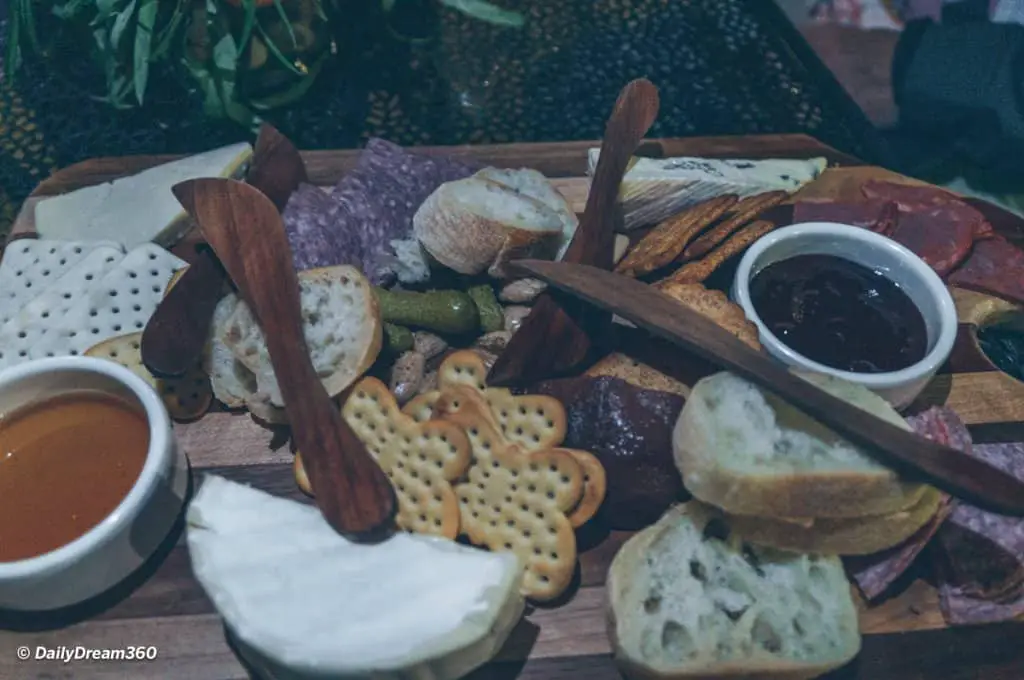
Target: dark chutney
(840, 314)
(1003, 344)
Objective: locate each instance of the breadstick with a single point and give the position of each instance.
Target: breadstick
(663, 244)
(744, 211)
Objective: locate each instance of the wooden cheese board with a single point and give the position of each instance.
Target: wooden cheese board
(164, 607)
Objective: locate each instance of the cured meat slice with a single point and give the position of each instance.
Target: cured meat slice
(943, 243)
(925, 199)
(317, 232)
(961, 607)
(356, 222)
(878, 216)
(873, 574)
(383, 192)
(995, 266)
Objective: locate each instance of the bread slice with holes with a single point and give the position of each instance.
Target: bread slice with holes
(688, 599)
(530, 182)
(748, 452)
(475, 224)
(342, 327)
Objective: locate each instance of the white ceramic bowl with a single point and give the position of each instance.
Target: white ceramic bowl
(118, 545)
(907, 270)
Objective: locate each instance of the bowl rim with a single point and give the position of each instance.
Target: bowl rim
(947, 316)
(158, 458)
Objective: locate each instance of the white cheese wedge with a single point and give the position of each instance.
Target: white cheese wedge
(301, 601)
(135, 209)
(654, 189)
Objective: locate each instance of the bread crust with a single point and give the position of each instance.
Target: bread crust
(620, 573)
(818, 493)
(469, 243)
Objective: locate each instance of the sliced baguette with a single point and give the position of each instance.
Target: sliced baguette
(749, 453)
(529, 182)
(343, 331)
(474, 224)
(688, 599)
(840, 536)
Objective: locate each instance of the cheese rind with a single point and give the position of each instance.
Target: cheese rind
(135, 209)
(654, 189)
(308, 603)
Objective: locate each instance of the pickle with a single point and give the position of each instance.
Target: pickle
(492, 318)
(443, 311)
(397, 338)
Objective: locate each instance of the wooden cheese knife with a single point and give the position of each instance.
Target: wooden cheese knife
(558, 334)
(914, 456)
(173, 340)
(244, 228)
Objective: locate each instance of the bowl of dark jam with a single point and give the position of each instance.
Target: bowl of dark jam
(842, 300)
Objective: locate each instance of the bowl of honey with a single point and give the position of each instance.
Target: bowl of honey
(91, 480)
(845, 301)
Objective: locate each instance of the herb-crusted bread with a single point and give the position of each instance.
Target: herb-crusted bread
(688, 599)
(747, 452)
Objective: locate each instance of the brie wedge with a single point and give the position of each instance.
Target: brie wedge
(654, 189)
(135, 209)
(301, 601)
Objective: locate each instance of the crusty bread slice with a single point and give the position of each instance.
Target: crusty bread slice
(748, 452)
(529, 182)
(343, 331)
(689, 599)
(637, 373)
(475, 224)
(840, 536)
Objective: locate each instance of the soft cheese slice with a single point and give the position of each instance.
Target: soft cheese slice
(654, 189)
(29, 266)
(302, 601)
(138, 208)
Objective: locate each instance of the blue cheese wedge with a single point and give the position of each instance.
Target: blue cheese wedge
(138, 208)
(654, 189)
(301, 601)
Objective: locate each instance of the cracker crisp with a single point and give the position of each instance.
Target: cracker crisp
(186, 398)
(534, 422)
(422, 459)
(516, 500)
(661, 245)
(698, 271)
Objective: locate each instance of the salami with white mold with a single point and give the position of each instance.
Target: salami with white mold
(317, 235)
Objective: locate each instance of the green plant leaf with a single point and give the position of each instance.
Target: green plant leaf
(277, 53)
(29, 21)
(166, 37)
(12, 56)
(72, 9)
(486, 11)
(247, 26)
(387, 5)
(143, 45)
(121, 23)
(104, 10)
(293, 92)
(286, 21)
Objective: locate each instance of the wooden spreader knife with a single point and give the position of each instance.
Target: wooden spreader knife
(173, 340)
(558, 334)
(244, 228)
(909, 454)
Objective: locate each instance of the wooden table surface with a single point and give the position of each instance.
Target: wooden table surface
(162, 606)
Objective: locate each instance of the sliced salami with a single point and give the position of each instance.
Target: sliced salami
(389, 184)
(878, 216)
(873, 574)
(317, 232)
(960, 606)
(943, 247)
(995, 266)
(925, 199)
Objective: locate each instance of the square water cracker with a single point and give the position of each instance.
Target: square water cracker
(33, 332)
(124, 299)
(29, 266)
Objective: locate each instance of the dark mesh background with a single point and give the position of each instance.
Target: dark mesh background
(723, 67)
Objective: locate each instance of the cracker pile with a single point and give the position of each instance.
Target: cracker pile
(701, 238)
(485, 464)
